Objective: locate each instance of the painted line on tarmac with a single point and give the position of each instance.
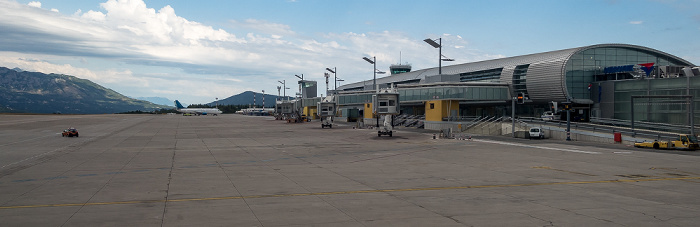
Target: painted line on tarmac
(561, 170)
(48, 152)
(352, 192)
(538, 147)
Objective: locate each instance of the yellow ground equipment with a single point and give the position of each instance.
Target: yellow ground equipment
(683, 142)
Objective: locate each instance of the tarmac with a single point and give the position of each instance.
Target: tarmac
(235, 170)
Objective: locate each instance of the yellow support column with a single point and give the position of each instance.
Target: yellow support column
(436, 110)
(368, 111)
(310, 112)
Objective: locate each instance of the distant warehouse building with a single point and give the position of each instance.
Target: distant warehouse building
(599, 80)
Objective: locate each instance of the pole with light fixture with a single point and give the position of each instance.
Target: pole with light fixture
(335, 76)
(373, 62)
(300, 82)
(440, 56)
(278, 93)
(284, 87)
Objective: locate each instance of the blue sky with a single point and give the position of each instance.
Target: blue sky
(196, 51)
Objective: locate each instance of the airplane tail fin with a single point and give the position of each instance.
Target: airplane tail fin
(178, 105)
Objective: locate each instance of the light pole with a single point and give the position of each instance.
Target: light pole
(278, 93)
(440, 56)
(326, 76)
(335, 76)
(301, 79)
(284, 86)
(373, 62)
(338, 79)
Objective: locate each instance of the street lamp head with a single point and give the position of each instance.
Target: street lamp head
(432, 42)
(300, 77)
(368, 60)
(330, 70)
(445, 58)
(280, 82)
(380, 72)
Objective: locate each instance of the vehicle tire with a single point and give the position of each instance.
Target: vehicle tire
(379, 134)
(323, 126)
(330, 126)
(391, 134)
(656, 145)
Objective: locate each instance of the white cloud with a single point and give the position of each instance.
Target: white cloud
(93, 15)
(213, 62)
(126, 82)
(34, 4)
(264, 27)
(54, 10)
(636, 22)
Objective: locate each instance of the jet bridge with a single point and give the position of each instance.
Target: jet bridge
(326, 110)
(386, 105)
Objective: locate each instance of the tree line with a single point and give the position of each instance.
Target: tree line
(224, 109)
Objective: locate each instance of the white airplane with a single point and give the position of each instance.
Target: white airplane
(196, 111)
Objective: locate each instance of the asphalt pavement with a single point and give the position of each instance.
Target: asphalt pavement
(234, 170)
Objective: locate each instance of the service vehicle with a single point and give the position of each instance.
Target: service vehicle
(536, 132)
(547, 116)
(683, 142)
(70, 132)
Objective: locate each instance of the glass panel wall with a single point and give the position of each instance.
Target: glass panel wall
(608, 63)
(520, 79)
(659, 110)
(433, 93)
(491, 75)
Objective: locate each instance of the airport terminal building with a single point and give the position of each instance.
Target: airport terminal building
(599, 81)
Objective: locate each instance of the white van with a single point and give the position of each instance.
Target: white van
(547, 116)
(536, 132)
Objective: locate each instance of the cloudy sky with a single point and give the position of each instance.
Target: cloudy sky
(196, 51)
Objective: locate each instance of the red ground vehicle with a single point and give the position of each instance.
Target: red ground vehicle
(70, 132)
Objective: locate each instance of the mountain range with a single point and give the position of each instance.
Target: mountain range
(246, 98)
(34, 92)
(158, 100)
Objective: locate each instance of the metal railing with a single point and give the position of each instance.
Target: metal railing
(643, 130)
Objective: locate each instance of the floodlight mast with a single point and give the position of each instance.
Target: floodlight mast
(284, 87)
(335, 77)
(373, 62)
(302, 79)
(440, 56)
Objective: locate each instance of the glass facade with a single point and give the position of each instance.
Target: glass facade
(585, 67)
(355, 99)
(491, 75)
(432, 93)
(520, 79)
(672, 111)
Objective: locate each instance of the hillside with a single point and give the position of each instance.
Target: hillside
(33, 92)
(158, 100)
(246, 98)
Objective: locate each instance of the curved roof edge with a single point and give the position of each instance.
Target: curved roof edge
(637, 47)
(487, 64)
